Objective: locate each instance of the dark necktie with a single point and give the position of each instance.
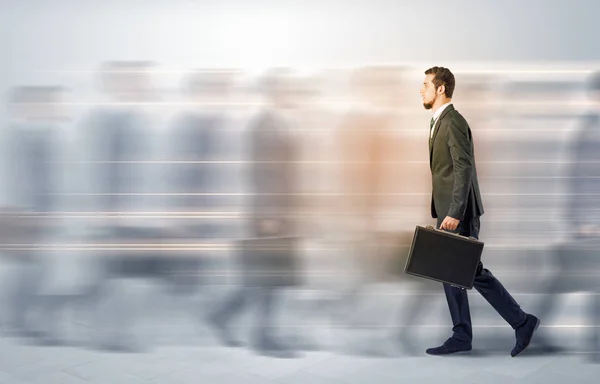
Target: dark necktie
(431, 123)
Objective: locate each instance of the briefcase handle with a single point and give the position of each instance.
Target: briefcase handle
(456, 234)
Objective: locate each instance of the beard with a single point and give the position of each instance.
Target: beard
(428, 105)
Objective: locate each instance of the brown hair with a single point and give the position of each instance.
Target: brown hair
(442, 76)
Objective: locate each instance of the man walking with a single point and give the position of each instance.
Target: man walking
(456, 204)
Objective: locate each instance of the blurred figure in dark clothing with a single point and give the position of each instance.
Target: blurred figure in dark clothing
(35, 143)
(272, 152)
(117, 147)
(202, 140)
(377, 177)
(191, 140)
(578, 259)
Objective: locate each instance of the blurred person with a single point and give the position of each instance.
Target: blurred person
(272, 153)
(357, 138)
(192, 139)
(117, 149)
(364, 149)
(372, 144)
(315, 182)
(35, 147)
(202, 140)
(313, 137)
(576, 259)
(456, 204)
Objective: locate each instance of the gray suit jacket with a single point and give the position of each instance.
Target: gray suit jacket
(454, 175)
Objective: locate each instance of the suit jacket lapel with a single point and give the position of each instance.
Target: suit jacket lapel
(436, 129)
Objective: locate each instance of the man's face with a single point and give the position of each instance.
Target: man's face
(428, 92)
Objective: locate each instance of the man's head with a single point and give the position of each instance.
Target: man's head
(438, 87)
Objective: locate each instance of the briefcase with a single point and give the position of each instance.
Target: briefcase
(269, 261)
(444, 256)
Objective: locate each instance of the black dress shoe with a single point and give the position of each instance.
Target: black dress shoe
(524, 334)
(450, 346)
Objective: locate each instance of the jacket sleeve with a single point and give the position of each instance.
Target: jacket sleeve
(461, 150)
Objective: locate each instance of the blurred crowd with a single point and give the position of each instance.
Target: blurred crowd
(289, 197)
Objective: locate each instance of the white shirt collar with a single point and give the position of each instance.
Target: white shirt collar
(440, 110)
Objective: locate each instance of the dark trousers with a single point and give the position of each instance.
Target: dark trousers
(487, 285)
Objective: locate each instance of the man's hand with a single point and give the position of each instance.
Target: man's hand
(450, 223)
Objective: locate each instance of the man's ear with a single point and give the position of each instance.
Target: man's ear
(441, 90)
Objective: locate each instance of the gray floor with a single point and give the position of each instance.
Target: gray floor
(219, 365)
(183, 350)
